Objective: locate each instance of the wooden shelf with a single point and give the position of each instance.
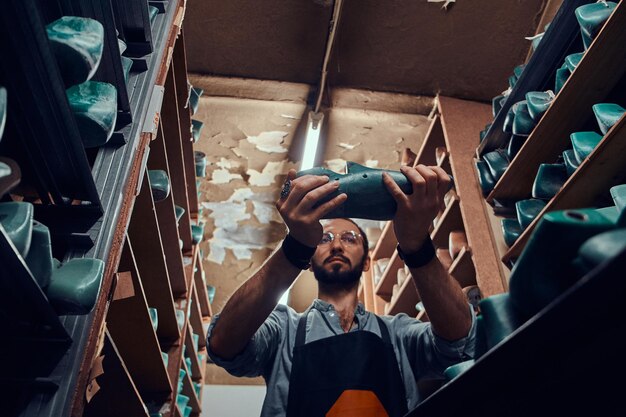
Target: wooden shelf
(203, 296)
(116, 392)
(592, 180)
(128, 320)
(462, 268)
(434, 139)
(188, 390)
(195, 319)
(196, 373)
(389, 278)
(450, 220)
(406, 299)
(461, 120)
(386, 244)
(600, 70)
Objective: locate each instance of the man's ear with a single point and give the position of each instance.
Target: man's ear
(366, 264)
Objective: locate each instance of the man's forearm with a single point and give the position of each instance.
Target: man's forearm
(447, 306)
(251, 304)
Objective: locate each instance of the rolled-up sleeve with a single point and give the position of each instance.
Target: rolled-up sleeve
(258, 356)
(429, 355)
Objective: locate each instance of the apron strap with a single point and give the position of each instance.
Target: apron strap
(301, 332)
(384, 331)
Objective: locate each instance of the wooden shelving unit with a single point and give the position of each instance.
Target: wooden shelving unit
(94, 364)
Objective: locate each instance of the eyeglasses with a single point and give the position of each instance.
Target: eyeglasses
(348, 237)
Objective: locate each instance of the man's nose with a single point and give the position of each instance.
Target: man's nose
(336, 245)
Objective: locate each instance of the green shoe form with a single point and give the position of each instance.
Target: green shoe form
(591, 17)
(583, 143)
(94, 105)
(497, 161)
(562, 74)
(179, 212)
(507, 127)
(484, 132)
(523, 124)
(570, 161)
(536, 41)
(496, 104)
(599, 249)
(187, 411)
(154, 318)
(17, 220)
(549, 180)
(453, 371)
(3, 110)
(77, 43)
(122, 45)
(544, 270)
(194, 99)
(512, 81)
(607, 114)
(518, 70)
(511, 230)
(572, 61)
(181, 401)
(180, 318)
(153, 12)
(211, 292)
(618, 194)
(500, 318)
(538, 102)
(159, 184)
(127, 64)
(197, 233)
(527, 210)
(611, 213)
(368, 197)
(74, 286)
(485, 179)
(196, 129)
(166, 358)
(514, 145)
(200, 159)
(39, 259)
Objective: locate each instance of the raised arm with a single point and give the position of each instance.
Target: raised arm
(254, 300)
(447, 306)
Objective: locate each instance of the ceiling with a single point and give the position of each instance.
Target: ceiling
(466, 50)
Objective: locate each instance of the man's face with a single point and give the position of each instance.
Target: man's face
(342, 259)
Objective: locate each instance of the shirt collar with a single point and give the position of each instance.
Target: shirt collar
(323, 306)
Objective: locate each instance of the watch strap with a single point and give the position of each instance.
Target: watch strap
(417, 259)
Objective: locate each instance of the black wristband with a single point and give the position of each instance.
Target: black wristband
(424, 255)
(297, 253)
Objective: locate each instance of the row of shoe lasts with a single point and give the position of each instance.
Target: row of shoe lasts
(550, 178)
(565, 246)
(72, 287)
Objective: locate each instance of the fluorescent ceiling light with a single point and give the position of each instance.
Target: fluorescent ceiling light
(314, 127)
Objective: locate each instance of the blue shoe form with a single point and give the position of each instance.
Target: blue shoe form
(512, 81)
(179, 212)
(453, 371)
(527, 210)
(496, 104)
(518, 70)
(538, 103)
(485, 179)
(16, 218)
(599, 249)
(611, 213)
(483, 133)
(127, 64)
(74, 287)
(196, 129)
(570, 161)
(497, 161)
(122, 45)
(3, 110)
(500, 318)
(618, 194)
(510, 116)
(200, 160)
(77, 43)
(211, 292)
(544, 269)
(511, 230)
(549, 180)
(572, 61)
(159, 184)
(591, 17)
(562, 74)
(523, 123)
(194, 99)
(165, 358)
(515, 144)
(153, 12)
(583, 143)
(94, 105)
(154, 318)
(607, 114)
(39, 259)
(197, 233)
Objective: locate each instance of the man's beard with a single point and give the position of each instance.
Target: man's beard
(336, 276)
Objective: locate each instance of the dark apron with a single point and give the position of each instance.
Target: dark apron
(359, 367)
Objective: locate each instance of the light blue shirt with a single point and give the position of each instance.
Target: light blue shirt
(420, 353)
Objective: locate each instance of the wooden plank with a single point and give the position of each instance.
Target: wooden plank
(406, 299)
(174, 135)
(145, 237)
(603, 169)
(434, 139)
(367, 284)
(386, 243)
(201, 290)
(497, 237)
(117, 394)
(601, 68)
(193, 354)
(128, 320)
(385, 285)
(462, 120)
(188, 390)
(450, 220)
(462, 269)
(195, 318)
(159, 159)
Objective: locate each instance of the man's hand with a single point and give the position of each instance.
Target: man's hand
(298, 209)
(416, 211)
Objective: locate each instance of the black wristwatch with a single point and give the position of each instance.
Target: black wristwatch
(423, 256)
(297, 253)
